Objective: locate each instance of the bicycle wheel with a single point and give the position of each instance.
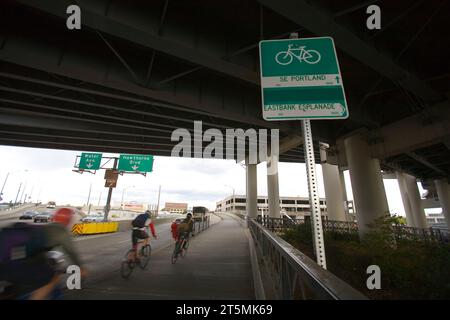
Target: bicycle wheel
(127, 265)
(185, 249)
(283, 58)
(175, 253)
(311, 56)
(145, 256)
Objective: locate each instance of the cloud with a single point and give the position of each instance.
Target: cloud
(195, 181)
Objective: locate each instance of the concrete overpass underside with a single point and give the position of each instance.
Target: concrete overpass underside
(136, 72)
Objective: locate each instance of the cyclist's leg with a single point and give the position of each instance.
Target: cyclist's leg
(135, 243)
(46, 291)
(186, 239)
(143, 236)
(178, 244)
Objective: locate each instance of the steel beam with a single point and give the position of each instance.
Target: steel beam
(426, 163)
(319, 22)
(91, 71)
(390, 140)
(128, 110)
(131, 32)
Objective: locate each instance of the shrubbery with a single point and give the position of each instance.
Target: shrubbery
(410, 269)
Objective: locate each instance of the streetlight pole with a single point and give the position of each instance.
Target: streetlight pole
(89, 199)
(233, 203)
(23, 192)
(157, 206)
(123, 194)
(3, 187)
(99, 199)
(6, 179)
(31, 193)
(18, 191)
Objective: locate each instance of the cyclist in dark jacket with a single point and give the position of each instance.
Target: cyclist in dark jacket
(23, 256)
(186, 227)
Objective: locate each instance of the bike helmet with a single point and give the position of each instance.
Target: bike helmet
(148, 212)
(63, 216)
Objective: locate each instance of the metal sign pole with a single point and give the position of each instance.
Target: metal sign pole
(314, 200)
(108, 201)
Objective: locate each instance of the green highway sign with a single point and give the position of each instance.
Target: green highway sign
(90, 161)
(135, 163)
(300, 79)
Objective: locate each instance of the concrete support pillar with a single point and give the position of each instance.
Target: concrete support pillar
(417, 211)
(405, 199)
(344, 193)
(273, 193)
(333, 188)
(367, 183)
(252, 191)
(443, 191)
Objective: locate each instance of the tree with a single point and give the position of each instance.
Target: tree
(398, 220)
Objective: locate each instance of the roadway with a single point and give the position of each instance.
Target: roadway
(217, 266)
(7, 218)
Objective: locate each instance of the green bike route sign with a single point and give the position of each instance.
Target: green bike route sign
(301, 79)
(90, 161)
(135, 163)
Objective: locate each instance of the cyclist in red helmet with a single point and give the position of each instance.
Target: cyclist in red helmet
(30, 275)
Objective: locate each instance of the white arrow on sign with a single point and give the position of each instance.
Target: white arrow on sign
(135, 167)
(89, 165)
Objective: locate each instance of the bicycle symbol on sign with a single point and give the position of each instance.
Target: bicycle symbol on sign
(300, 53)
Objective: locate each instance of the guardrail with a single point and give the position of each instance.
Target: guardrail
(294, 275)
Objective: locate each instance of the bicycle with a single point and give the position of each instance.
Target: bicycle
(181, 247)
(130, 261)
(286, 57)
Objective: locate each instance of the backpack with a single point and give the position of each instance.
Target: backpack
(139, 221)
(184, 226)
(21, 241)
(23, 257)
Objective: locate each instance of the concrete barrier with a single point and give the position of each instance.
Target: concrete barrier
(94, 228)
(107, 227)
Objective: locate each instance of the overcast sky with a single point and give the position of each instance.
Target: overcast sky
(195, 181)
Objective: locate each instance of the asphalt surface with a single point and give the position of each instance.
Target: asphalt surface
(217, 266)
(8, 219)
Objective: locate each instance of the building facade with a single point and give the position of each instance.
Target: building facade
(436, 219)
(175, 207)
(293, 206)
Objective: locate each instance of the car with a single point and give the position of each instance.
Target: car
(43, 217)
(92, 218)
(51, 205)
(28, 215)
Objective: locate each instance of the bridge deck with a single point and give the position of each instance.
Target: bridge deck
(217, 266)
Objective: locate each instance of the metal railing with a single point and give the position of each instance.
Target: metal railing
(294, 275)
(201, 225)
(428, 235)
(280, 225)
